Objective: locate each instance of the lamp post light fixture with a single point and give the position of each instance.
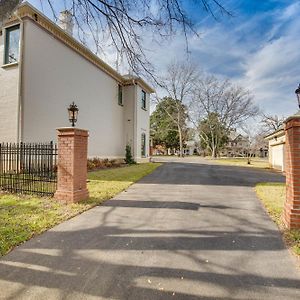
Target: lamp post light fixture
(73, 113)
(298, 95)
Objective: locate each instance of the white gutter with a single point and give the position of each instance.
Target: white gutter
(135, 137)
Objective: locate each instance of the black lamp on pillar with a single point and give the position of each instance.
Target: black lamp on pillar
(298, 95)
(73, 113)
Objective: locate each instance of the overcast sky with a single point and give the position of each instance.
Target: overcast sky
(258, 47)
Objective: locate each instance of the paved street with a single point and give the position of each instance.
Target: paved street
(191, 230)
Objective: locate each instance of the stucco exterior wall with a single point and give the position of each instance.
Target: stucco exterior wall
(53, 76)
(9, 99)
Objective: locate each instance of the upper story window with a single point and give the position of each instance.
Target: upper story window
(12, 44)
(120, 95)
(144, 100)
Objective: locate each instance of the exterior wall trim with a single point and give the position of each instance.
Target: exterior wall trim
(278, 133)
(277, 144)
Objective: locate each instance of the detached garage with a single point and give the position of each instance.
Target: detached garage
(277, 149)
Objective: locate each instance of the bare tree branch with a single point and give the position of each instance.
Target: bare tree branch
(124, 23)
(233, 104)
(6, 9)
(271, 123)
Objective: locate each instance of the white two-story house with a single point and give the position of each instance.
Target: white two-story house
(43, 69)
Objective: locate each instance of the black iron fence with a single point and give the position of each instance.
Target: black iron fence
(28, 168)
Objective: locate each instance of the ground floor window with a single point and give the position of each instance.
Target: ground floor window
(143, 145)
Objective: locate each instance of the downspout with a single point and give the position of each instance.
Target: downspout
(135, 122)
(21, 46)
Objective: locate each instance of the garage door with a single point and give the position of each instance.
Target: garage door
(278, 157)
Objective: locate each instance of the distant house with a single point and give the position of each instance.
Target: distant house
(44, 69)
(190, 148)
(276, 142)
(237, 145)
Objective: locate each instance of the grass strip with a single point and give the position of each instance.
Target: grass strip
(272, 196)
(22, 217)
(243, 162)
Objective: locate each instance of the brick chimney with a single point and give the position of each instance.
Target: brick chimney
(66, 21)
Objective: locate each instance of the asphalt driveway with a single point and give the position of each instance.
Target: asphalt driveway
(191, 230)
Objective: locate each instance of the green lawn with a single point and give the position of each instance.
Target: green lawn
(22, 217)
(243, 162)
(273, 196)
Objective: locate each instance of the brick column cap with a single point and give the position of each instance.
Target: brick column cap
(72, 131)
(296, 116)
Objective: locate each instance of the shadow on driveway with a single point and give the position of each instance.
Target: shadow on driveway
(187, 231)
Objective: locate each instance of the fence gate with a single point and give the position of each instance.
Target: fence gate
(28, 168)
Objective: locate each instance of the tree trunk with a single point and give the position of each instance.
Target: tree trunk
(214, 152)
(213, 147)
(249, 158)
(180, 142)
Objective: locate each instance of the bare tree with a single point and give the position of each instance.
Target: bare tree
(231, 104)
(271, 123)
(6, 8)
(255, 136)
(124, 23)
(179, 83)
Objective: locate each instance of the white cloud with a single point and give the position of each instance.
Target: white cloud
(273, 71)
(265, 60)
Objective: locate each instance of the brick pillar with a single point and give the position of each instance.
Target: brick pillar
(72, 165)
(291, 214)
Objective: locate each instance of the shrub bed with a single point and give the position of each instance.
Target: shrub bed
(98, 163)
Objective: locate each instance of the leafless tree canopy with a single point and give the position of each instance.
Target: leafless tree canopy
(271, 123)
(179, 81)
(123, 23)
(232, 103)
